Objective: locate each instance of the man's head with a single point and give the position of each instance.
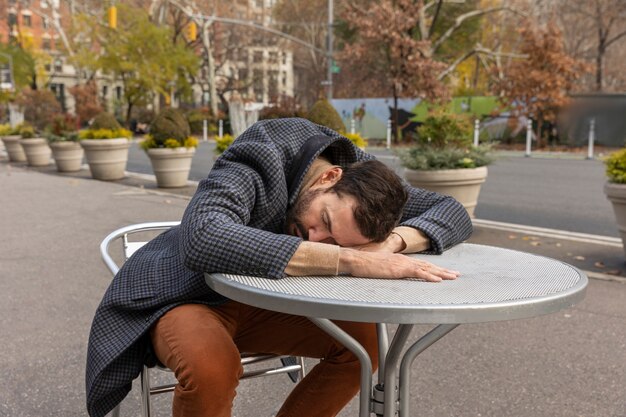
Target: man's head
(353, 206)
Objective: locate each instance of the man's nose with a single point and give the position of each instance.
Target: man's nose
(317, 235)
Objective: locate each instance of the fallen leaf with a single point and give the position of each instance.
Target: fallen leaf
(535, 243)
(168, 201)
(569, 254)
(567, 315)
(526, 238)
(614, 272)
(579, 258)
(558, 245)
(512, 237)
(599, 265)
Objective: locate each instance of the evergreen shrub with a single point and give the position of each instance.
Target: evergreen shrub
(323, 113)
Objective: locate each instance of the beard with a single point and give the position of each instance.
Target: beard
(293, 221)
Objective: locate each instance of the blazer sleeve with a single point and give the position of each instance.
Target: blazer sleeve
(443, 219)
(222, 229)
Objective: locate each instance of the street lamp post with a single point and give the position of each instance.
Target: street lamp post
(330, 50)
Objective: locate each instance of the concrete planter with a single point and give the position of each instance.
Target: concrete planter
(616, 193)
(462, 184)
(171, 166)
(14, 148)
(107, 158)
(67, 155)
(37, 151)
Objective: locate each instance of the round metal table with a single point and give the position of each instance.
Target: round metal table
(495, 284)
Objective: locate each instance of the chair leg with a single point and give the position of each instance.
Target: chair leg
(146, 404)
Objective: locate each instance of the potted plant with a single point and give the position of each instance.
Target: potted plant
(615, 188)
(11, 139)
(36, 148)
(170, 148)
(63, 140)
(445, 160)
(106, 147)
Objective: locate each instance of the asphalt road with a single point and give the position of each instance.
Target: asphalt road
(555, 193)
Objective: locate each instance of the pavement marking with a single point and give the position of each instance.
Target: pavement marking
(552, 233)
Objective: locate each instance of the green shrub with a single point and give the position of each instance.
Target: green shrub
(323, 113)
(149, 143)
(221, 144)
(62, 129)
(616, 167)
(442, 130)
(356, 138)
(105, 121)
(5, 129)
(428, 158)
(27, 131)
(169, 124)
(104, 134)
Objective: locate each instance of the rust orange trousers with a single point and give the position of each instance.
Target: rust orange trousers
(201, 345)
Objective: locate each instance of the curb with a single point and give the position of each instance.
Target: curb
(551, 233)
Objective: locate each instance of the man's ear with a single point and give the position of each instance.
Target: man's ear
(329, 177)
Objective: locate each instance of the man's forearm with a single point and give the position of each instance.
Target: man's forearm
(314, 258)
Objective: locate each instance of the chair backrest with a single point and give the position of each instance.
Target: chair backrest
(133, 237)
(129, 246)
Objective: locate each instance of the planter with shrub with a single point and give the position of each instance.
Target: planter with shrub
(170, 148)
(11, 139)
(36, 148)
(106, 147)
(63, 140)
(615, 189)
(445, 160)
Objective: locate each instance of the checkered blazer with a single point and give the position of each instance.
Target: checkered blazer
(233, 224)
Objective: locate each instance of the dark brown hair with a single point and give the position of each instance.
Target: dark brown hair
(380, 197)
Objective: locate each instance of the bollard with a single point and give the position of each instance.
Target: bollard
(529, 135)
(592, 137)
(389, 134)
(205, 130)
(352, 126)
(476, 131)
(220, 131)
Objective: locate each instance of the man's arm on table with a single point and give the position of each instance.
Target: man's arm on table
(380, 260)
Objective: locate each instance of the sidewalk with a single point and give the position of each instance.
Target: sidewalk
(567, 364)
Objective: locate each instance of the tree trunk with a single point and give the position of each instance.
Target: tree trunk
(540, 142)
(599, 66)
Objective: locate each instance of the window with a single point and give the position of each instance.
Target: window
(27, 20)
(243, 74)
(47, 67)
(46, 43)
(12, 19)
(273, 57)
(118, 93)
(105, 91)
(44, 23)
(58, 44)
(259, 3)
(257, 57)
(58, 65)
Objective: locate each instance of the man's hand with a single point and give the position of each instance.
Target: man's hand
(393, 244)
(390, 265)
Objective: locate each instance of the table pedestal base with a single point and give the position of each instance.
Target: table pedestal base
(386, 402)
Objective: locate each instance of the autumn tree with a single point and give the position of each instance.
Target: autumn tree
(86, 98)
(386, 54)
(537, 86)
(143, 57)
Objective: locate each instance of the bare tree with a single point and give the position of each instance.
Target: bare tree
(594, 28)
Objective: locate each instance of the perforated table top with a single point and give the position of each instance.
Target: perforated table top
(496, 284)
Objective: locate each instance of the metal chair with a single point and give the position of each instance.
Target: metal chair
(293, 367)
